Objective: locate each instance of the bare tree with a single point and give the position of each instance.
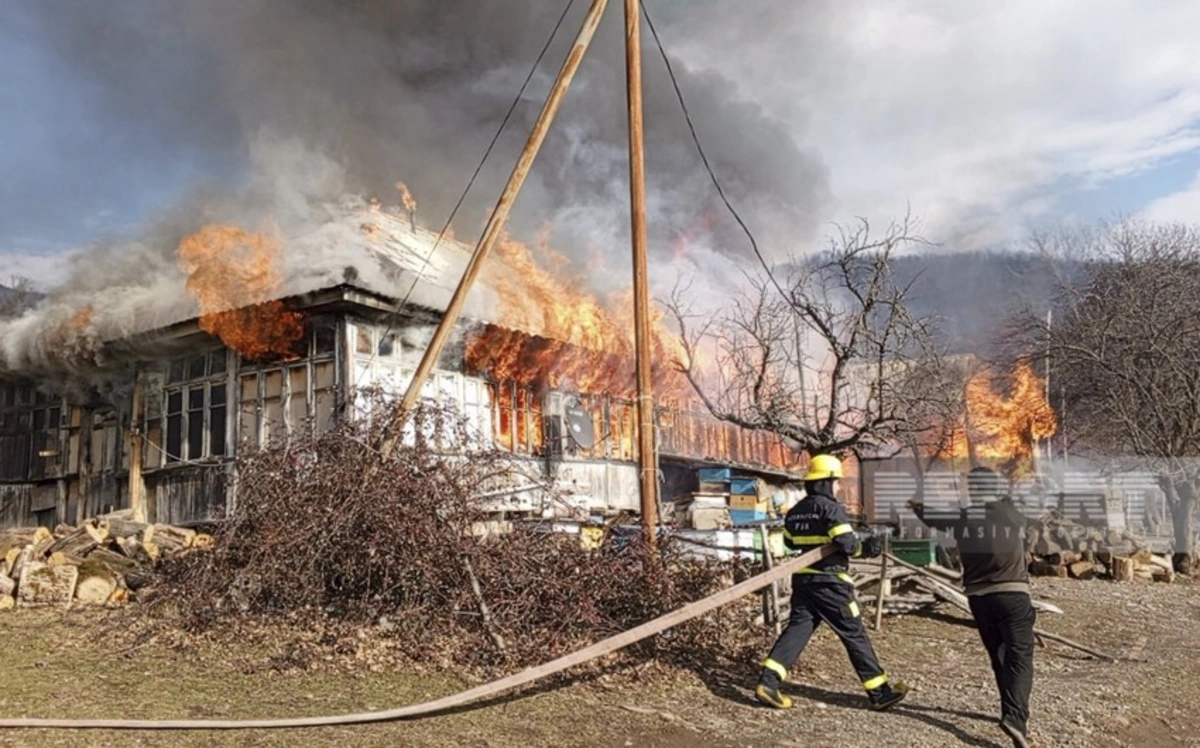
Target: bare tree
(824, 352)
(17, 297)
(1126, 356)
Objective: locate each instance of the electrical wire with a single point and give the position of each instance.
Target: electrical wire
(704, 156)
(470, 182)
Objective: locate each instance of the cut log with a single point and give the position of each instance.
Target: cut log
(202, 540)
(47, 585)
(6, 586)
(1043, 569)
(1122, 568)
(136, 579)
(119, 596)
(129, 546)
(43, 539)
(151, 551)
(1066, 558)
(116, 561)
(1159, 574)
(7, 602)
(1082, 570)
(10, 561)
(184, 535)
(96, 583)
(1046, 547)
(22, 560)
(119, 527)
(97, 532)
(15, 538)
(58, 558)
(77, 543)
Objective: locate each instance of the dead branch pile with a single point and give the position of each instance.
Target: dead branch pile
(1062, 548)
(325, 530)
(100, 562)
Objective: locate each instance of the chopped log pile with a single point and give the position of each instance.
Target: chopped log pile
(1062, 548)
(100, 562)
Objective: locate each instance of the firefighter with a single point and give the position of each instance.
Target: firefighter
(825, 591)
(991, 544)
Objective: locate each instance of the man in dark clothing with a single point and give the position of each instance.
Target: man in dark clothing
(825, 591)
(991, 544)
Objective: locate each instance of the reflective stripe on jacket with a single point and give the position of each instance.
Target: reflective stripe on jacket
(814, 521)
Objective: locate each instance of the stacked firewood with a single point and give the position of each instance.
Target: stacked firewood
(1062, 548)
(99, 562)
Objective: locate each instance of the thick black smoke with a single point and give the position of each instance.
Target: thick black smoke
(412, 90)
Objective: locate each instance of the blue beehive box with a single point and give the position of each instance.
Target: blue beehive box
(746, 516)
(743, 486)
(714, 475)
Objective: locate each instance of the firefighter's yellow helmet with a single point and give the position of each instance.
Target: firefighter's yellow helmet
(822, 467)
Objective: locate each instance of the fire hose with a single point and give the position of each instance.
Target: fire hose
(494, 688)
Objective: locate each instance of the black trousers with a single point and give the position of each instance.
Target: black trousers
(834, 603)
(1005, 621)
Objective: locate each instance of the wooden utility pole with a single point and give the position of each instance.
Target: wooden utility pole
(137, 489)
(647, 449)
(495, 225)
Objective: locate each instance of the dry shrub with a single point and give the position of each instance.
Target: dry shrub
(326, 531)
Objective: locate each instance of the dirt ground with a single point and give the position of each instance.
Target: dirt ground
(53, 665)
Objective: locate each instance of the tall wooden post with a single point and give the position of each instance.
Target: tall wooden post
(495, 225)
(647, 448)
(137, 490)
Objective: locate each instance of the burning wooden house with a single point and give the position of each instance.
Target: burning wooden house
(256, 351)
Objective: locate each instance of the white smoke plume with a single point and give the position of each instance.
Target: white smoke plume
(321, 103)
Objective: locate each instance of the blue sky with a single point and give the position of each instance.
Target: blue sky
(984, 118)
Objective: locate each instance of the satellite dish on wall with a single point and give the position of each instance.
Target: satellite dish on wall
(579, 423)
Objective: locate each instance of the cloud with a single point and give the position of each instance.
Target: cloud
(1178, 207)
(979, 115)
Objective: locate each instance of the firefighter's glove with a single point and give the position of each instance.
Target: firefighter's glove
(872, 544)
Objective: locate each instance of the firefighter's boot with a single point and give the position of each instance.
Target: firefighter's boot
(887, 696)
(768, 690)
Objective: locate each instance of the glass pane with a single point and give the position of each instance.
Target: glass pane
(175, 372)
(175, 402)
(324, 375)
(196, 365)
(39, 420)
(153, 456)
(273, 420)
(298, 380)
(174, 438)
(273, 384)
(217, 362)
(387, 344)
(216, 395)
(249, 388)
(196, 398)
(195, 449)
(324, 338)
(216, 431)
(363, 342)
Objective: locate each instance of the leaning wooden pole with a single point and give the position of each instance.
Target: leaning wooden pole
(647, 448)
(495, 225)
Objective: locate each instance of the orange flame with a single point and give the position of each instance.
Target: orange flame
(552, 333)
(406, 197)
(1002, 428)
(232, 274)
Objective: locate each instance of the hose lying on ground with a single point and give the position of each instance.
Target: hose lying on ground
(599, 649)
